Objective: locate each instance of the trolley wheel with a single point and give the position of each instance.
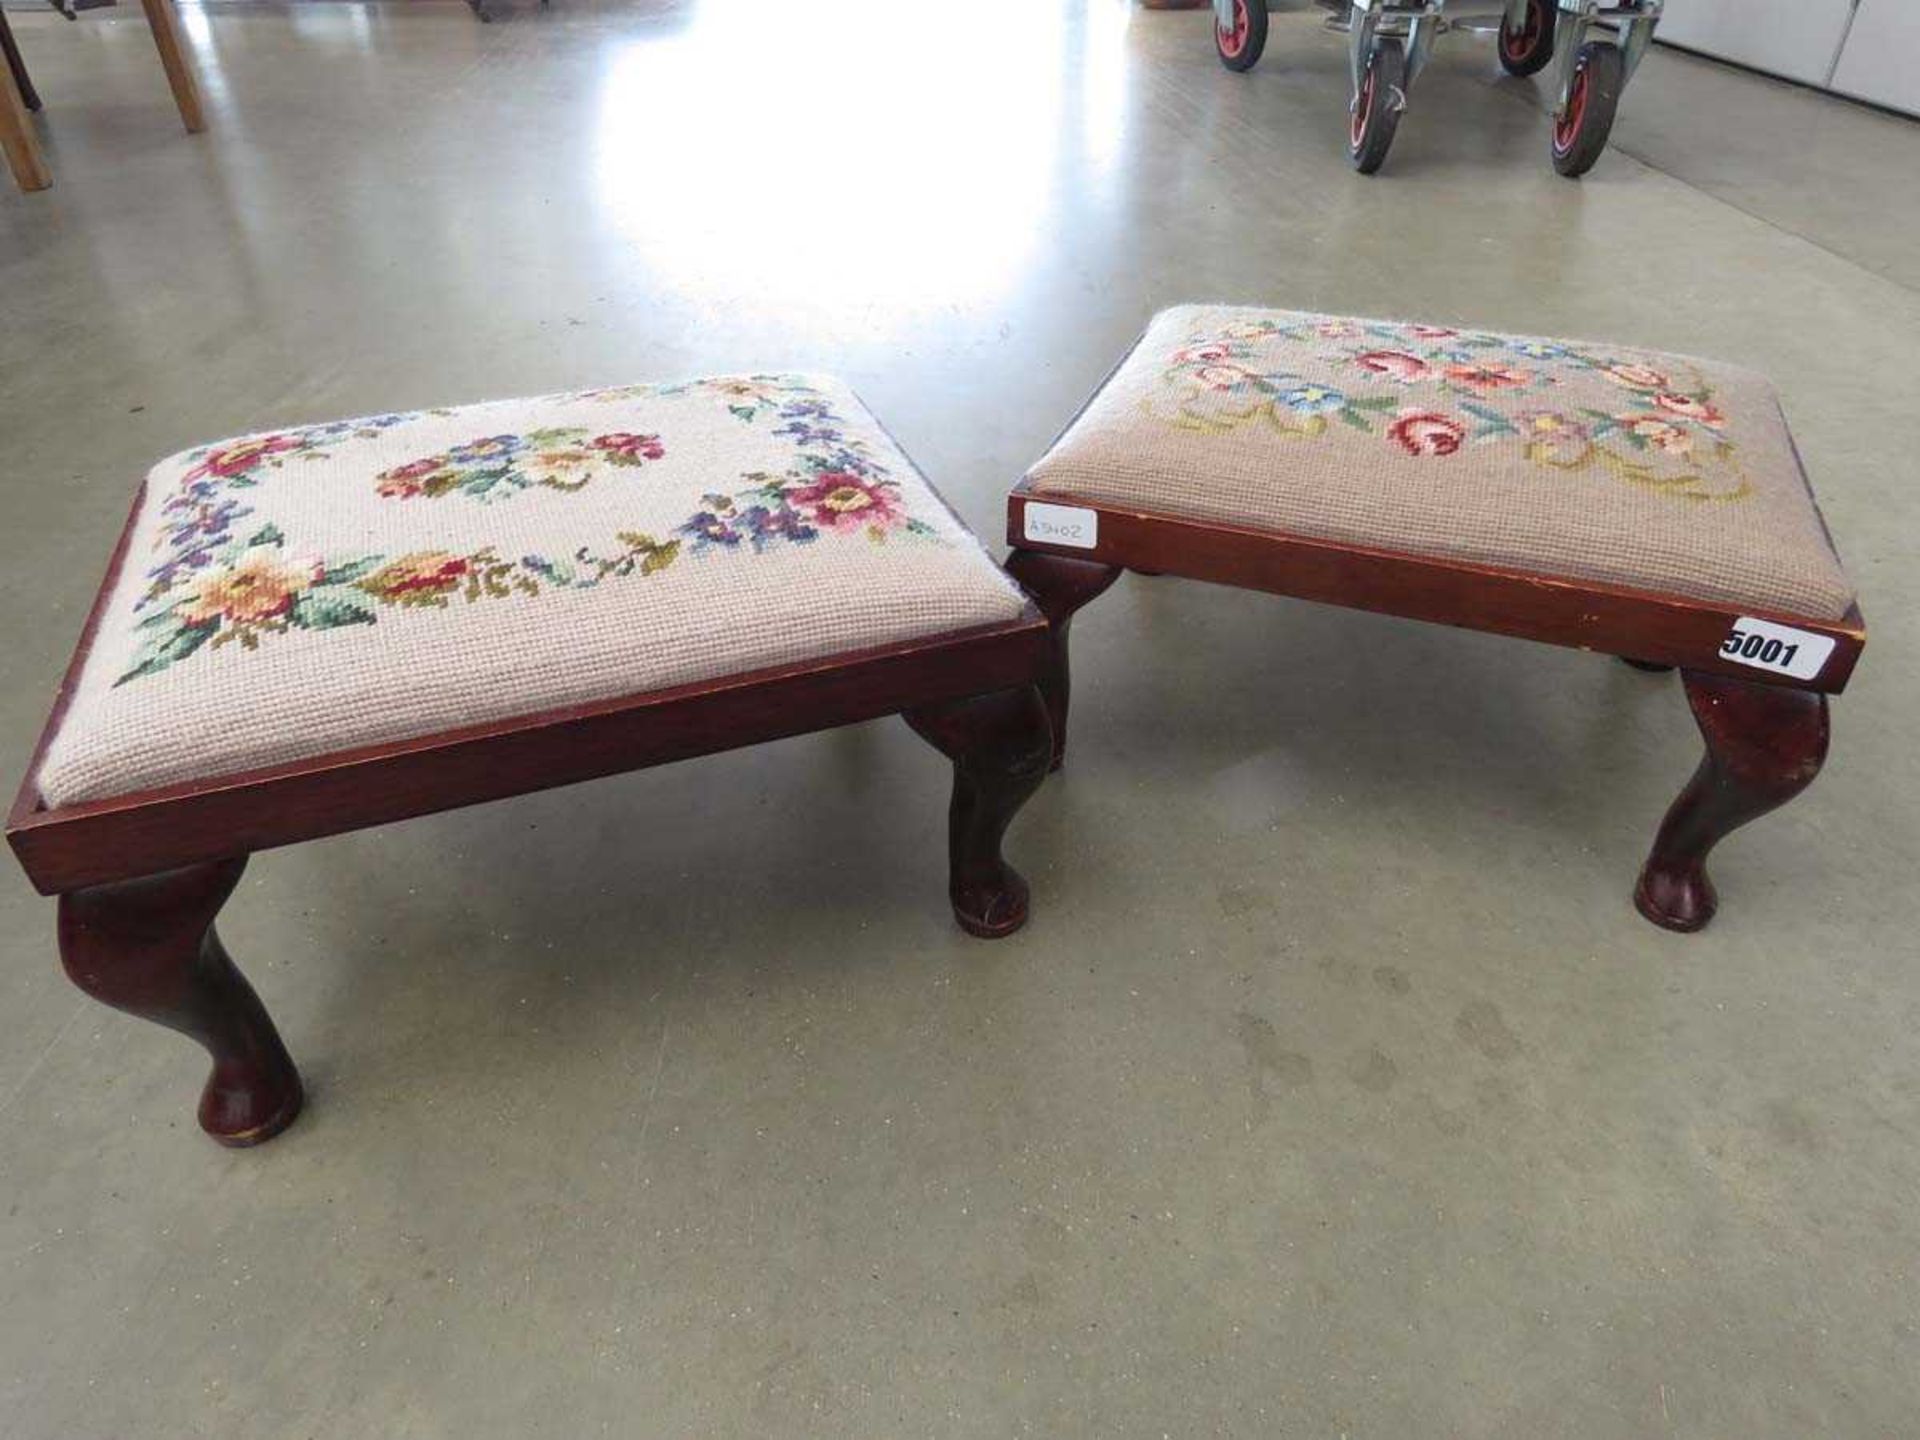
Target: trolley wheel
(1527, 50)
(1580, 134)
(1377, 105)
(1241, 45)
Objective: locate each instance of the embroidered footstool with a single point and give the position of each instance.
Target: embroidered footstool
(316, 630)
(1644, 505)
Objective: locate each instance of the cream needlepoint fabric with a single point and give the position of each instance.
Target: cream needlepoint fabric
(1585, 461)
(306, 591)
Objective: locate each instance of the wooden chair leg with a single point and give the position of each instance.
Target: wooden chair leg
(1765, 743)
(164, 21)
(148, 947)
(23, 81)
(24, 159)
(1059, 586)
(999, 744)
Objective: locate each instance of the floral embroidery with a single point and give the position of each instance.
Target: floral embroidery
(1635, 377)
(1664, 433)
(1422, 432)
(1488, 377)
(240, 461)
(212, 589)
(198, 517)
(1288, 402)
(256, 593)
(1394, 364)
(838, 487)
(496, 466)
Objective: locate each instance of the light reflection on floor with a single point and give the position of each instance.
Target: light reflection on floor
(873, 174)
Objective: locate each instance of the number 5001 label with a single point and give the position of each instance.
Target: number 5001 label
(1780, 648)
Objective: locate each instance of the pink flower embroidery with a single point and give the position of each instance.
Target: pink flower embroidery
(241, 456)
(837, 500)
(1691, 408)
(1423, 432)
(1206, 354)
(625, 449)
(1395, 364)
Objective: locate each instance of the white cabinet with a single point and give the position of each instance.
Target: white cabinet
(1795, 38)
(1881, 60)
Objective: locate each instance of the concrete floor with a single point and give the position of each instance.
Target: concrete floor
(1335, 1088)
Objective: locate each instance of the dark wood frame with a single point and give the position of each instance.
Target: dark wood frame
(141, 876)
(1765, 734)
(1586, 615)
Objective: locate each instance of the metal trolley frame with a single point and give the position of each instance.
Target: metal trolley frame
(1598, 44)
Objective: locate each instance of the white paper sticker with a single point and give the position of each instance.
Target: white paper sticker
(1779, 648)
(1063, 525)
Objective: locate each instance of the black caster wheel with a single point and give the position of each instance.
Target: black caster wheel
(1377, 106)
(1580, 134)
(1241, 43)
(1527, 50)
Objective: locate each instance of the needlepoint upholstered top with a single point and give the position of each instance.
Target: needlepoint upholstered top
(292, 594)
(1599, 463)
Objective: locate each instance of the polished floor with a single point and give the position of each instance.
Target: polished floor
(1334, 1090)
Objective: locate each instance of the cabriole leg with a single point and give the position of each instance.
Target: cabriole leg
(148, 947)
(999, 744)
(1059, 586)
(1765, 743)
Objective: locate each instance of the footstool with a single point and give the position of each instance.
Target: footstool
(1644, 505)
(320, 629)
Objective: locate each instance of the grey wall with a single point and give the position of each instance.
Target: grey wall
(1865, 48)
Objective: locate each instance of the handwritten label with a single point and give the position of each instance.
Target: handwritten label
(1062, 525)
(1779, 648)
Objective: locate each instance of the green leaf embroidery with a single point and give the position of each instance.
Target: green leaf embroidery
(168, 647)
(327, 607)
(1492, 422)
(341, 572)
(160, 619)
(267, 535)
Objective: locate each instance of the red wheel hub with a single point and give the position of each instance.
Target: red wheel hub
(1566, 129)
(1519, 43)
(1362, 107)
(1233, 41)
